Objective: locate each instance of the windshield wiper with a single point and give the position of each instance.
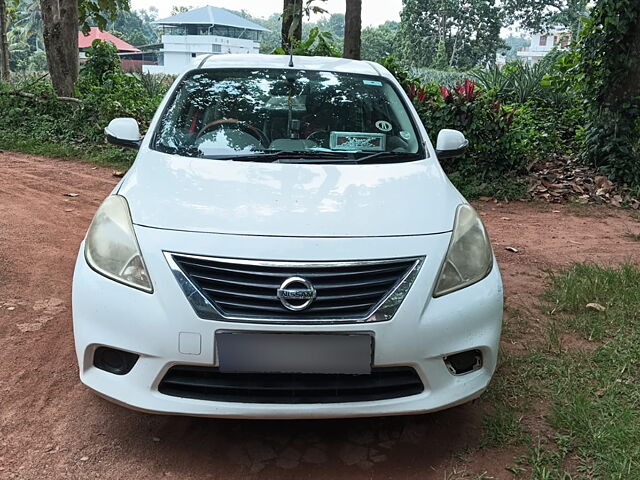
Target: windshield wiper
(312, 157)
(260, 156)
(385, 156)
(279, 156)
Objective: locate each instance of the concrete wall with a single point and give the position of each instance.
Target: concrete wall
(180, 50)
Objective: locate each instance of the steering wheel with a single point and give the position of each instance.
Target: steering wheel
(312, 136)
(235, 123)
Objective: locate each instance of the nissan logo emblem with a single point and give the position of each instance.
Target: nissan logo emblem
(296, 294)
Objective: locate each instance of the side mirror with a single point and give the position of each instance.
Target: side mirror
(451, 144)
(124, 132)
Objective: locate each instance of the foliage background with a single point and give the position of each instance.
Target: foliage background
(575, 103)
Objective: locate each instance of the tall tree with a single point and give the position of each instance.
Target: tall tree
(291, 23)
(4, 43)
(60, 19)
(292, 13)
(539, 15)
(378, 42)
(333, 24)
(353, 29)
(28, 22)
(447, 33)
(610, 68)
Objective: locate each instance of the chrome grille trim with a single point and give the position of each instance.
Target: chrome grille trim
(384, 309)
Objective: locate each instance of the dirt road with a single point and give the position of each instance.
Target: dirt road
(52, 427)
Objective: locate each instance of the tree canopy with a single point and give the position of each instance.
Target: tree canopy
(450, 33)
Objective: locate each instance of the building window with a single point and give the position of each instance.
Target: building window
(216, 48)
(543, 40)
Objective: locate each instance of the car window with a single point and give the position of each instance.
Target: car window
(217, 113)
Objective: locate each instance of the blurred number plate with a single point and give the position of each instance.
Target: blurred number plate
(240, 352)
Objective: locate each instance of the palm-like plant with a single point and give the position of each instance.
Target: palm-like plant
(518, 82)
(28, 24)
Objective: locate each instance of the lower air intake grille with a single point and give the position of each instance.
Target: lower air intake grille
(247, 289)
(207, 383)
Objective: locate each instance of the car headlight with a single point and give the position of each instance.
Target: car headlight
(111, 247)
(469, 258)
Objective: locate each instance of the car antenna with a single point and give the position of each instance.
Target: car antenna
(291, 60)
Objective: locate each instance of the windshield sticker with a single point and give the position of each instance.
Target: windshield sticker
(372, 83)
(384, 126)
(405, 135)
(355, 141)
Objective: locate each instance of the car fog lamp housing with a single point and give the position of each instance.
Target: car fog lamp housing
(111, 247)
(469, 258)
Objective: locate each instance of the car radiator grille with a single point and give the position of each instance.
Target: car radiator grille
(242, 289)
(208, 383)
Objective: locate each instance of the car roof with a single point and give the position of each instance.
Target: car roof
(327, 64)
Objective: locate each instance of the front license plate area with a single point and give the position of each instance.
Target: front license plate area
(240, 352)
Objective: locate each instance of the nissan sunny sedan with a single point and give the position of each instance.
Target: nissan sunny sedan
(286, 245)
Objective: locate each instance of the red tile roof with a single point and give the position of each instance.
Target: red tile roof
(85, 41)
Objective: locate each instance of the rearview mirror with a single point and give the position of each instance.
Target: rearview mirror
(451, 144)
(124, 132)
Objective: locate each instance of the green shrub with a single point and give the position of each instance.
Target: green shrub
(608, 79)
(61, 128)
(485, 122)
(319, 43)
(102, 60)
(520, 82)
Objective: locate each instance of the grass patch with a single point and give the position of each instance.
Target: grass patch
(115, 157)
(502, 427)
(597, 397)
(617, 290)
(593, 395)
(633, 236)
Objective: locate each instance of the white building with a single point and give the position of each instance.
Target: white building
(543, 43)
(206, 30)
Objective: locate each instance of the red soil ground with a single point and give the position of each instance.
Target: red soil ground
(52, 427)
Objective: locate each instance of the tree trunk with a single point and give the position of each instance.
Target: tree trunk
(60, 21)
(291, 23)
(353, 29)
(4, 44)
(628, 80)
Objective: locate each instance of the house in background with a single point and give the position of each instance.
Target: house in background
(85, 41)
(206, 30)
(543, 43)
(132, 58)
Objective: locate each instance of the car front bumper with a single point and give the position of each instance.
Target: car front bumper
(420, 335)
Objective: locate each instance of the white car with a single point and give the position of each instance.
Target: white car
(286, 245)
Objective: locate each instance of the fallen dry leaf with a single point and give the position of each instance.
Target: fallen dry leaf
(72, 195)
(511, 249)
(596, 306)
(118, 173)
(563, 179)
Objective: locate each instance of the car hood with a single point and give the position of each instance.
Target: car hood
(293, 200)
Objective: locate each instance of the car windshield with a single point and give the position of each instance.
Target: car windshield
(292, 114)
